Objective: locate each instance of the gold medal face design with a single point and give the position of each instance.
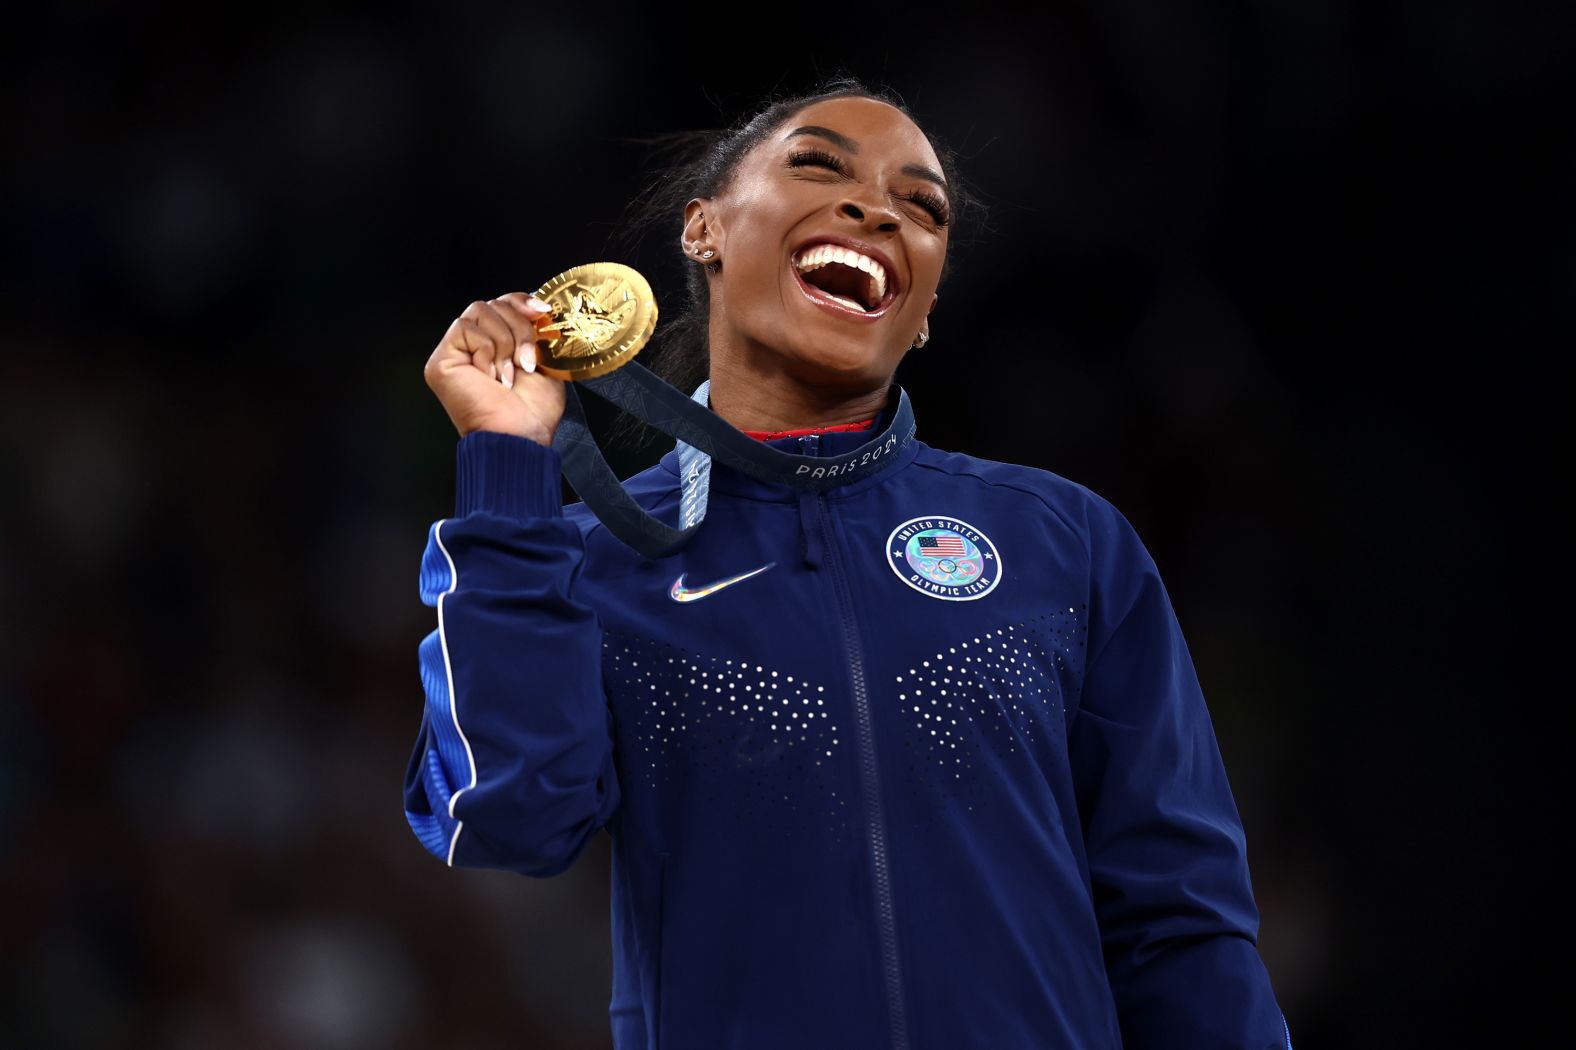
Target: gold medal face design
(603, 313)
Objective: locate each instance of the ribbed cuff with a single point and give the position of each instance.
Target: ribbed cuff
(507, 475)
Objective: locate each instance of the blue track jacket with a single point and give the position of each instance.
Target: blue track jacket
(920, 762)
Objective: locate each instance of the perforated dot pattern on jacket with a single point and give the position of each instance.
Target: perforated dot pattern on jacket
(987, 705)
(752, 742)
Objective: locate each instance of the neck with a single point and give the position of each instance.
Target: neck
(771, 400)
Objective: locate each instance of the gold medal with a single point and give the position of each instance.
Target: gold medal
(603, 313)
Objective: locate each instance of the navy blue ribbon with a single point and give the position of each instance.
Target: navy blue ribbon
(639, 391)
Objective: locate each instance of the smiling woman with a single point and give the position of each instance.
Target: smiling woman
(846, 168)
(912, 757)
(804, 237)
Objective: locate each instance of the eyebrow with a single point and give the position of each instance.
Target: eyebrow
(838, 139)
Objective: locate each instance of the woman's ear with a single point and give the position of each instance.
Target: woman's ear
(696, 240)
(924, 326)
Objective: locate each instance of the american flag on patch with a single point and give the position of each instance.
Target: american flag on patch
(942, 546)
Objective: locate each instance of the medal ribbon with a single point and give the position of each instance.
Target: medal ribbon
(701, 435)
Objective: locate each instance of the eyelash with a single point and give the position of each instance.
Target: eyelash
(929, 201)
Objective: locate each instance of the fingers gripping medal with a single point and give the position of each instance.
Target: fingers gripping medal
(603, 314)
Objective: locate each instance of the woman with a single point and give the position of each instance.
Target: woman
(920, 761)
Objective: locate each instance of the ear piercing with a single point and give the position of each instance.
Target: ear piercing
(707, 254)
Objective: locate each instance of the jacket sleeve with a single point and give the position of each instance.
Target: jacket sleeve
(1167, 856)
(513, 764)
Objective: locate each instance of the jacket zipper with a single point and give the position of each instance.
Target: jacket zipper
(870, 780)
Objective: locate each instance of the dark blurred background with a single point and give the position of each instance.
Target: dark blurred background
(1291, 284)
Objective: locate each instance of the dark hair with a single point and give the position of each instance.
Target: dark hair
(704, 163)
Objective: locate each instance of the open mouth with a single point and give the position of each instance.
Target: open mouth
(849, 279)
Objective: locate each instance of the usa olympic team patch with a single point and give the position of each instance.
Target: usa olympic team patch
(944, 557)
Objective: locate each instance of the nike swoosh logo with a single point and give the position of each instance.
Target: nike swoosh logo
(680, 593)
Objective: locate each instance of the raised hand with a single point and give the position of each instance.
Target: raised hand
(484, 370)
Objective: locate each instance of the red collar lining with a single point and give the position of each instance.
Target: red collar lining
(773, 435)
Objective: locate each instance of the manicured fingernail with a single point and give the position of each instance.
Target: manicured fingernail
(527, 354)
(538, 304)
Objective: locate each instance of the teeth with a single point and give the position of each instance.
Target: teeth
(821, 254)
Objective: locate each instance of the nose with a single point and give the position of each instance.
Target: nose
(868, 213)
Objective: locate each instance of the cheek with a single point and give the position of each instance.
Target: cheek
(930, 260)
(752, 243)
(926, 275)
(755, 259)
